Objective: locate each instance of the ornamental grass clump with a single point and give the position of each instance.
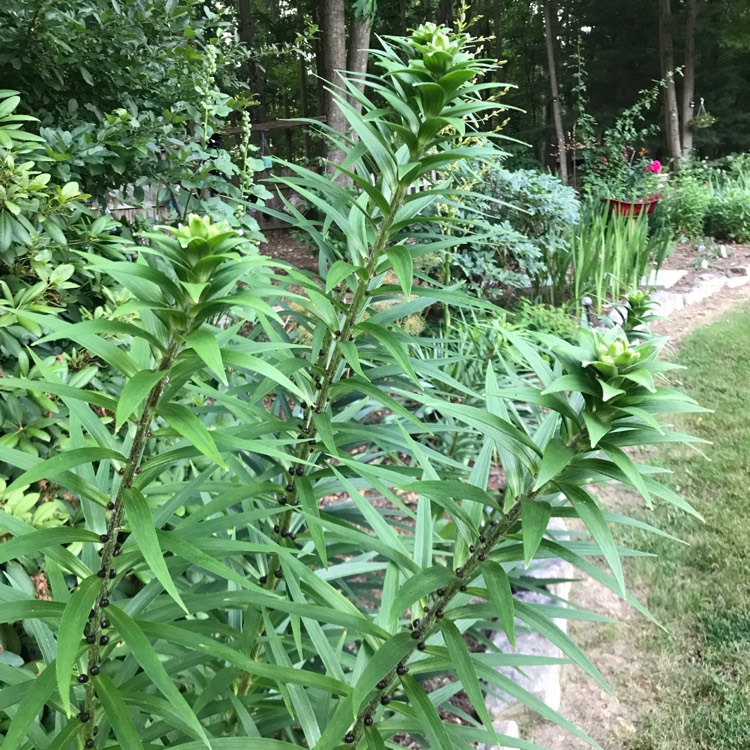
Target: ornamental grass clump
(263, 549)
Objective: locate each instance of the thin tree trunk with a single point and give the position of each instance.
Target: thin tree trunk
(255, 74)
(303, 105)
(357, 55)
(333, 46)
(549, 33)
(666, 55)
(288, 135)
(403, 7)
(497, 20)
(688, 83)
(445, 12)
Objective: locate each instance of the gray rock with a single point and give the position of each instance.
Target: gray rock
(668, 302)
(662, 279)
(700, 293)
(543, 680)
(734, 281)
(505, 728)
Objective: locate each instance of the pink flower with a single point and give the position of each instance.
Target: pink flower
(654, 167)
(604, 159)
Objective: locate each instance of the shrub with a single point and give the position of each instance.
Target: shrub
(728, 216)
(211, 586)
(538, 317)
(685, 206)
(498, 257)
(509, 225)
(125, 91)
(540, 207)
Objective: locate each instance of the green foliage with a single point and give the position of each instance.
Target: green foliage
(43, 227)
(728, 214)
(239, 562)
(609, 256)
(710, 199)
(75, 61)
(509, 225)
(637, 313)
(538, 317)
(129, 96)
(538, 206)
(685, 206)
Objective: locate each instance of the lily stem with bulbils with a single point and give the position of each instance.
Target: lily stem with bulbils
(328, 361)
(500, 524)
(110, 550)
(497, 529)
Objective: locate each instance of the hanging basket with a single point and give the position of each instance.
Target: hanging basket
(704, 120)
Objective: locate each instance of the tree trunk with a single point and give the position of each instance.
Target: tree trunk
(688, 84)
(303, 105)
(497, 20)
(445, 12)
(333, 48)
(403, 7)
(255, 75)
(357, 55)
(666, 55)
(549, 33)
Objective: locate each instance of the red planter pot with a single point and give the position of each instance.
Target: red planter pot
(633, 208)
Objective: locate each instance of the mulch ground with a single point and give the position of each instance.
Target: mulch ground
(698, 260)
(282, 244)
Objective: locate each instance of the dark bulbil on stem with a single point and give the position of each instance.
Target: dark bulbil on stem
(429, 624)
(95, 638)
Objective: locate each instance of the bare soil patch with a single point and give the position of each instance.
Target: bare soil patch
(283, 245)
(688, 258)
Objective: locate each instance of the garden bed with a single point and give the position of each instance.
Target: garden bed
(282, 245)
(686, 257)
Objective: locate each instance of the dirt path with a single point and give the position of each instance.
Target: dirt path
(615, 649)
(683, 321)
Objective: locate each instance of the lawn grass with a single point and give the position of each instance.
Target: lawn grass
(701, 591)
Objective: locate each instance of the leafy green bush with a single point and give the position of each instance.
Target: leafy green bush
(43, 229)
(509, 225)
(538, 317)
(540, 207)
(240, 568)
(133, 96)
(120, 88)
(728, 216)
(499, 257)
(685, 206)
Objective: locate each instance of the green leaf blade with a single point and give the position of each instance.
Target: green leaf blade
(141, 523)
(72, 624)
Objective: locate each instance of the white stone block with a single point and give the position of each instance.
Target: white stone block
(662, 279)
(668, 302)
(734, 281)
(506, 729)
(543, 680)
(700, 293)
